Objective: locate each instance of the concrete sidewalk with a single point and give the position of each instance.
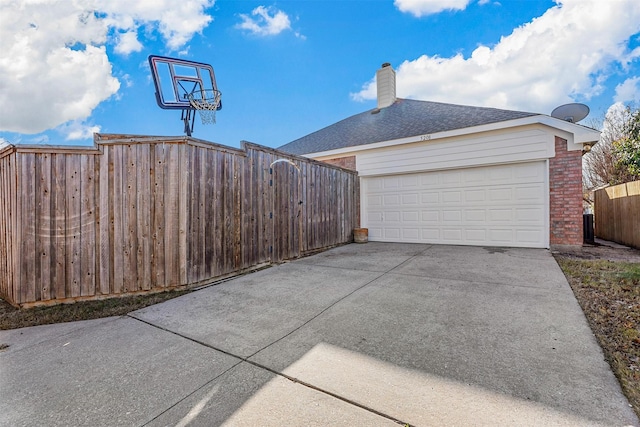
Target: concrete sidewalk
(375, 334)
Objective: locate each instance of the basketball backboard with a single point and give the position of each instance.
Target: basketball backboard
(187, 86)
(176, 79)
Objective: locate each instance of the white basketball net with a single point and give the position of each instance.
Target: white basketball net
(206, 102)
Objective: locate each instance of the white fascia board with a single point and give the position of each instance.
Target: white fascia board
(576, 135)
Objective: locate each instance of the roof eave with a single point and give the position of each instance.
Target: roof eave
(576, 135)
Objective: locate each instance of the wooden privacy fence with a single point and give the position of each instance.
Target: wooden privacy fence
(141, 214)
(617, 213)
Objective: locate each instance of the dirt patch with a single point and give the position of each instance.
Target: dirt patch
(13, 318)
(597, 252)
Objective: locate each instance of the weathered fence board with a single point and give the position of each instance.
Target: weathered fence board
(8, 223)
(617, 213)
(103, 241)
(5, 256)
(140, 214)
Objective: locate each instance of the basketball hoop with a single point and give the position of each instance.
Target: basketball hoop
(186, 86)
(207, 102)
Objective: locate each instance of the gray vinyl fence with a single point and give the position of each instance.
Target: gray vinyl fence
(144, 214)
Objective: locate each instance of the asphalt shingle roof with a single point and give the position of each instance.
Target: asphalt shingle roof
(404, 118)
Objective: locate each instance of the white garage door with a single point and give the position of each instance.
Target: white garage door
(504, 205)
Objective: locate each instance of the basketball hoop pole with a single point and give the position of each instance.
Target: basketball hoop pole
(189, 120)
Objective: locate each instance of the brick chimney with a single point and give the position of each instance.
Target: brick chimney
(386, 82)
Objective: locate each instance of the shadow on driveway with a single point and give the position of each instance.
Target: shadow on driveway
(375, 334)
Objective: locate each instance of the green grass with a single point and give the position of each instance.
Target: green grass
(609, 294)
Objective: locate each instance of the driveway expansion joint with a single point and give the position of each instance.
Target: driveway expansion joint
(281, 374)
(242, 359)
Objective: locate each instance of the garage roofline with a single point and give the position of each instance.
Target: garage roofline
(576, 135)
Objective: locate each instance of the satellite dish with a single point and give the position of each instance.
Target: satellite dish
(570, 112)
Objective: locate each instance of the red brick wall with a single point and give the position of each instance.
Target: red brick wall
(565, 196)
(344, 162)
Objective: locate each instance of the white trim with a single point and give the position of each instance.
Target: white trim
(547, 203)
(576, 135)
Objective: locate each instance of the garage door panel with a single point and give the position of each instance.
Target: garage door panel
(374, 217)
(430, 181)
(474, 196)
(409, 181)
(431, 234)
(391, 233)
(500, 194)
(391, 217)
(500, 215)
(530, 193)
(431, 197)
(431, 216)
(374, 200)
(475, 215)
(410, 216)
(410, 199)
(375, 233)
(475, 176)
(449, 215)
(452, 196)
(375, 183)
(531, 215)
(452, 235)
(479, 235)
(531, 236)
(391, 200)
(411, 234)
(501, 236)
(528, 172)
(391, 183)
(450, 178)
(501, 175)
(501, 205)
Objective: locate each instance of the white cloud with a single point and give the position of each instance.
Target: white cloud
(54, 66)
(128, 42)
(77, 130)
(629, 90)
(563, 55)
(177, 21)
(265, 21)
(420, 8)
(128, 81)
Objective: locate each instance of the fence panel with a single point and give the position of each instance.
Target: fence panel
(617, 213)
(140, 214)
(8, 222)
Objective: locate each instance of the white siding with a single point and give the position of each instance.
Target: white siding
(488, 148)
(500, 205)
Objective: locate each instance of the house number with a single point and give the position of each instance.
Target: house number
(425, 137)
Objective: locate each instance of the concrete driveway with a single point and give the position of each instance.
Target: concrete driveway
(375, 334)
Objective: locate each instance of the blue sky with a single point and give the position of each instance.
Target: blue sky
(289, 68)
